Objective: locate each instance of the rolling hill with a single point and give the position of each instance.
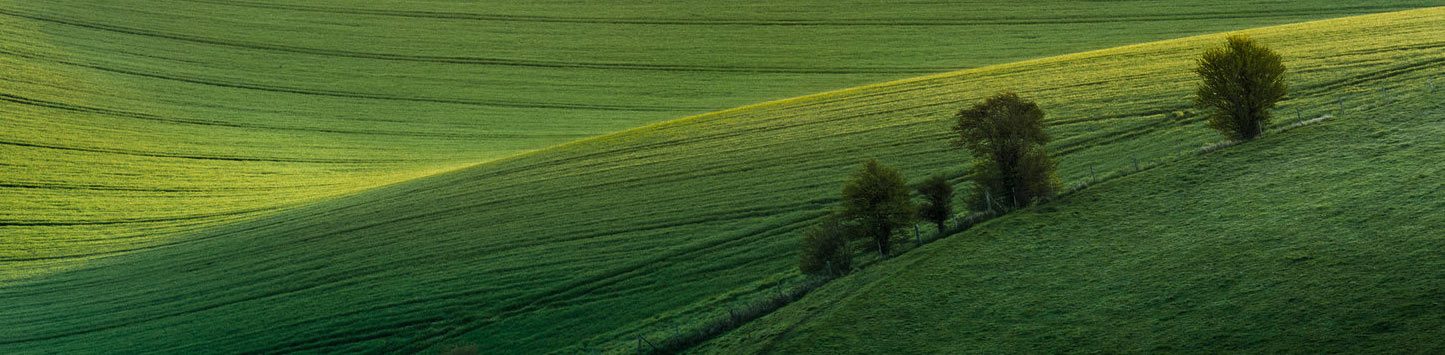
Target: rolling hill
(125, 124)
(586, 245)
(1323, 239)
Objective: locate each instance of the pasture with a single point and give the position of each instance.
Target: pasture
(585, 245)
(1325, 238)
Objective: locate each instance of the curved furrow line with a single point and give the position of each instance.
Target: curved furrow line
(1387, 73)
(94, 187)
(4, 223)
(356, 95)
(202, 122)
(475, 60)
(204, 157)
(210, 304)
(955, 21)
(1397, 47)
(543, 298)
(562, 293)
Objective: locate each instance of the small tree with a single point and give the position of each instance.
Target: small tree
(825, 248)
(938, 200)
(1240, 82)
(1005, 134)
(877, 198)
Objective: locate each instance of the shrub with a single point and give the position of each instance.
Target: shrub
(1240, 83)
(877, 199)
(1005, 135)
(825, 249)
(937, 200)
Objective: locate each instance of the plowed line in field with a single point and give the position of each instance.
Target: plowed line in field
(976, 21)
(357, 95)
(475, 60)
(150, 117)
(130, 220)
(203, 157)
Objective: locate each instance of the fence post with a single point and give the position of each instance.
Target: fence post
(988, 200)
(917, 237)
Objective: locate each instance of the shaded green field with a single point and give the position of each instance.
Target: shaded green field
(1323, 239)
(124, 124)
(586, 245)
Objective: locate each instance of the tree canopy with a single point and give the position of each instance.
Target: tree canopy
(1005, 136)
(1239, 83)
(877, 198)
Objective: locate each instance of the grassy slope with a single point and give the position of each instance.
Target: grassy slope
(1322, 239)
(529, 254)
(126, 122)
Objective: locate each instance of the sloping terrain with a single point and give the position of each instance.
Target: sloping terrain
(586, 245)
(123, 123)
(1324, 239)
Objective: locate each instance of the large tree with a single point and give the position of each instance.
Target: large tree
(1005, 135)
(1240, 83)
(877, 198)
(937, 200)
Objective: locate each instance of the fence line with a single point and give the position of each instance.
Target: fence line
(964, 221)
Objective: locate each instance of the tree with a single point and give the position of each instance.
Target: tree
(825, 248)
(1005, 134)
(877, 198)
(1240, 83)
(938, 200)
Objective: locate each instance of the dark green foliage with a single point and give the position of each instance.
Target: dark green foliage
(825, 248)
(937, 200)
(877, 198)
(1011, 167)
(1240, 82)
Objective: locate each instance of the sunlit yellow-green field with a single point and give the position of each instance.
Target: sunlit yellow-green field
(302, 218)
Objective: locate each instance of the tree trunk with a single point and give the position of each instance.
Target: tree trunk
(881, 236)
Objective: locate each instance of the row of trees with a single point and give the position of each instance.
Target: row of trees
(1010, 165)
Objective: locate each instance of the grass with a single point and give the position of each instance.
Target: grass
(127, 125)
(1322, 239)
(587, 245)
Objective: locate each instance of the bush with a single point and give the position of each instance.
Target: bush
(877, 199)
(1240, 83)
(1011, 167)
(937, 200)
(825, 249)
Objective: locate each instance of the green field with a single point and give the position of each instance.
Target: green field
(125, 125)
(586, 245)
(1323, 239)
